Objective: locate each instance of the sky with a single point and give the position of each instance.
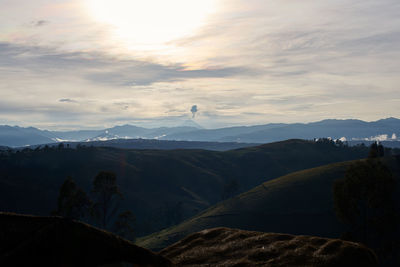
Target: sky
(98, 63)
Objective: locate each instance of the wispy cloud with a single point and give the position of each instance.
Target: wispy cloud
(101, 68)
(254, 61)
(67, 100)
(39, 23)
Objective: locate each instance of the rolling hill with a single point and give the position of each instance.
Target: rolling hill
(153, 144)
(299, 203)
(157, 184)
(234, 247)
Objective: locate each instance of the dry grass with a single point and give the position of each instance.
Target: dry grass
(232, 247)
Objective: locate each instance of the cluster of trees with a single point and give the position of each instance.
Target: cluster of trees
(100, 207)
(47, 148)
(365, 200)
(330, 141)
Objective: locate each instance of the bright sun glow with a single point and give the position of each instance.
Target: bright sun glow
(151, 22)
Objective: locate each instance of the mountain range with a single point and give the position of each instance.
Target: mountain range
(347, 130)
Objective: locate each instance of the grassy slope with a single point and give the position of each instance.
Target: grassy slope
(153, 180)
(297, 203)
(233, 247)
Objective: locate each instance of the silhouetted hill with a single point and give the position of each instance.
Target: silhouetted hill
(54, 241)
(155, 144)
(157, 184)
(233, 247)
(299, 203)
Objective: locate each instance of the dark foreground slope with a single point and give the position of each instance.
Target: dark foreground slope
(299, 203)
(232, 247)
(156, 183)
(53, 241)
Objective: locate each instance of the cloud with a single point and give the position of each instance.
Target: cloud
(67, 100)
(137, 73)
(103, 69)
(39, 23)
(277, 41)
(253, 61)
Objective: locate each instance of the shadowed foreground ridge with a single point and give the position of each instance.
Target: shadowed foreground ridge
(233, 247)
(54, 241)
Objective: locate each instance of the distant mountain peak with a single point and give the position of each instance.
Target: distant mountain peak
(390, 119)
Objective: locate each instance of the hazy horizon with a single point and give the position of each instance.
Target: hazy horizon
(179, 124)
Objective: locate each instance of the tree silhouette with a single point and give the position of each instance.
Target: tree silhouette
(72, 201)
(124, 225)
(107, 196)
(60, 146)
(376, 151)
(364, 200)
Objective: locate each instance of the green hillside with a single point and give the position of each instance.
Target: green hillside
(297, 203)
(156, 183)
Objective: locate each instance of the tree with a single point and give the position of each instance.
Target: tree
(376, 151)
(124, 225)
(60, 146)
(364, 200)
(107, 196)
(72, 201)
